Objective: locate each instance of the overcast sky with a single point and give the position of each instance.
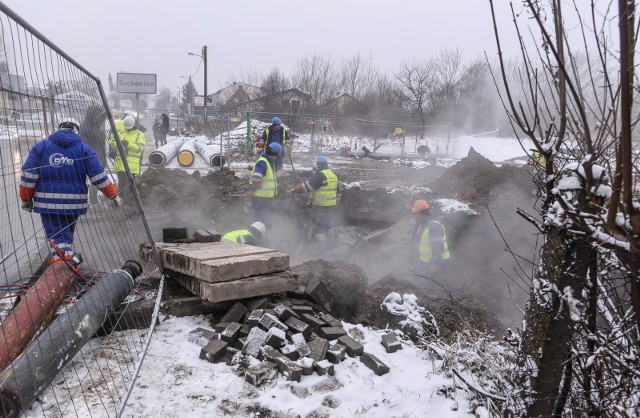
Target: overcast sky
(154, 36)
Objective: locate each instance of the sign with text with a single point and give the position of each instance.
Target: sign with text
(137, 83)
(199, 101)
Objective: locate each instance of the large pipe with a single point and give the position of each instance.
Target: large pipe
(34, 311)
(212, 153)
(32, 372)
(187, 154)
(162, 155)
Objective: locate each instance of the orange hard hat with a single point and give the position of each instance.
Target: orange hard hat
(420, 205)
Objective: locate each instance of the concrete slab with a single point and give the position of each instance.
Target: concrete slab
(238, 289)
(218, 261)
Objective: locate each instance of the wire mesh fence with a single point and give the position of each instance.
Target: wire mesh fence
(51, 307)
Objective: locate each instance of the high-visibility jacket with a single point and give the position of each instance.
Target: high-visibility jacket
(327, 194)
(540, 161)
(268, 136)
(55, 175)
(269, 180)
(242, 236)
(425, 244)
(136, 143)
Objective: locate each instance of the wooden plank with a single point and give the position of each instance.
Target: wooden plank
(239, 289)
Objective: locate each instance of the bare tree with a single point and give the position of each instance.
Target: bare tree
(272, 84)
(416, 82)
(449, 73)
(357, 76)
(316, 77)
(579, 349)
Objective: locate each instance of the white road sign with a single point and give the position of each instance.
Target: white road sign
(137, 83)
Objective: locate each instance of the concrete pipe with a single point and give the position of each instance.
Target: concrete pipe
(34, 311)
(32, 372)
(211, 153)
(165, 153)
(187, 153)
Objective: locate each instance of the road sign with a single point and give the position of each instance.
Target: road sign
(137, 83)
(199, 101)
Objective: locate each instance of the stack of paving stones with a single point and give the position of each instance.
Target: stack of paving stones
(293, 340)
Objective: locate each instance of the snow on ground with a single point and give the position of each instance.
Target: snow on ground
(174, 382)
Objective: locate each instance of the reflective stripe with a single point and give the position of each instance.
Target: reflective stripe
(29, 175)
(98, 176)
(60, 206)
(103, 184)
(425, 244)
(44, 195)
(327, 195)
(269, 181)
(28, 185)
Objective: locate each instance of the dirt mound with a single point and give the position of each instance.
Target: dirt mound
(472, 178)
(451, 315)
(346, 281)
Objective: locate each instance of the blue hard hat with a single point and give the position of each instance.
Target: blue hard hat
(322, 160)
(276, 121)
(277, 148)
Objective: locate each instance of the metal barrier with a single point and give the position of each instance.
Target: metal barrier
(40, 86)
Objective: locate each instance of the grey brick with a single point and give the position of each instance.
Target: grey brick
(289, 369)
(284, 312)
(391, 343)
(336, 353)
(330, 320)
(235, 313)
(230, 333)
(255, 340)
(302, 309)
(269, 353)
(313, 322)
(354, 348)
(254, 317)
(290, 351)
(276, 337)
(298, 326)
(318, 347)
(261, 373)
(374, 363)
(324, 367)
(306, 364)
(268, 321)
(202, 336)
(301, 344)
(331, 333)
(213, 351)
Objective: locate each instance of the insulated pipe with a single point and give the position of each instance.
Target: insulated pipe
(162, 155)
(32, 372)
(212, 153)
(187, 153)
(34, 311)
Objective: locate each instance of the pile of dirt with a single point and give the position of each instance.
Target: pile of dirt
(474, 178)
(346, 281)
(451, 315)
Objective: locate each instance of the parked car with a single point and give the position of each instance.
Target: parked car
(178, 127)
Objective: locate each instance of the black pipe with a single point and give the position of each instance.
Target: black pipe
(32, 372)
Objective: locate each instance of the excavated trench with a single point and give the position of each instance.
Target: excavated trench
(375, 230)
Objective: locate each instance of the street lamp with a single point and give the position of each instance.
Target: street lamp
(204, 58)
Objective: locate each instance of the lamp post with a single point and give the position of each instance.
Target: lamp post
(204, 58)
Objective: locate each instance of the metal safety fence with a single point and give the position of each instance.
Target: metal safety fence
(68, 345)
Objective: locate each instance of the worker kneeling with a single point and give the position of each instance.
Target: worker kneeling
(430, 241)
(253, 235)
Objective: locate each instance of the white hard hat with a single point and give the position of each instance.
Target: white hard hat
(69, 124)
(129, 122)
(260, 227)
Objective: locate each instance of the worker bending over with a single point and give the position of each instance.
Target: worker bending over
(253, 235)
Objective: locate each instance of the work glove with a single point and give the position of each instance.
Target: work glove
(28, 206)
(117, 201)
(298, 189)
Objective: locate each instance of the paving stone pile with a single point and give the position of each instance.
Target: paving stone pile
(294, 340)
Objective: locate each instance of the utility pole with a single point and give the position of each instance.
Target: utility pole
(206, 99)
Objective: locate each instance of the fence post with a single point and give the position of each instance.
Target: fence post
(249, 136)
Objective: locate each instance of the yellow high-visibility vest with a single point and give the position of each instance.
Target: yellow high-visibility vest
(234, 235)
(136, 141)
(269, 181)
(327, 195)
(425, 244)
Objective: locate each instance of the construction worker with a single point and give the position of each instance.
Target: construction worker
(264, 184)
(430, 238)
(539, 163)
(324, 197)
(53, 184)
(275, 133)
(253, 235)
(133, 143)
